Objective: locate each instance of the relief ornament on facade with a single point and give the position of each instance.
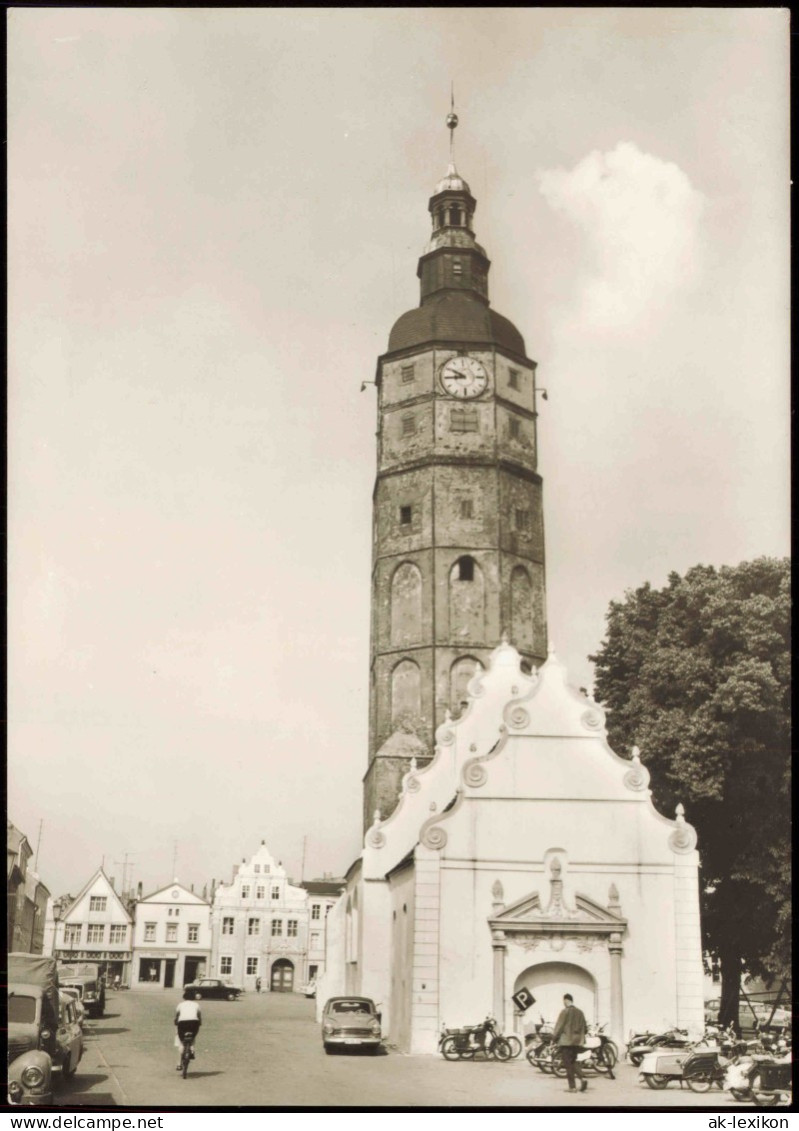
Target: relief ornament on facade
(683, 839)
(637, 777)
(375, 838)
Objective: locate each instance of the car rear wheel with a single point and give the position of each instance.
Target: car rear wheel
(232, 997)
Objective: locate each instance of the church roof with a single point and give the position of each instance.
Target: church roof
(454, 316)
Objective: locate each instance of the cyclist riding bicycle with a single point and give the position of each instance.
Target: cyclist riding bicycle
(188, 1020)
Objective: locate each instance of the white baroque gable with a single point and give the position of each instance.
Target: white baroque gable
(530, 737)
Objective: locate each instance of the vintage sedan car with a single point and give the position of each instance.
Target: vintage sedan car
(211, 988)
(74, 996)
(350, 1022)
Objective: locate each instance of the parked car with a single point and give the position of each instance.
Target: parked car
(350, 1022)
(85, 978)
(74, 996)
(43, 1030)
(760, 1013)
(211, 988)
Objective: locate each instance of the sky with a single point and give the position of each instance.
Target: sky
(215, 217)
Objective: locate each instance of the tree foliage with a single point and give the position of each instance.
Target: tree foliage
(697, 674)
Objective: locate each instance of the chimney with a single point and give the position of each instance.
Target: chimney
(192, 888)
(113, 883)
(139, 890)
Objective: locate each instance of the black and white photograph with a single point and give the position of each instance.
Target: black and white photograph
(398, 566)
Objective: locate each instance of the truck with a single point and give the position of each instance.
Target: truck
(33, 1024)
(85, 978)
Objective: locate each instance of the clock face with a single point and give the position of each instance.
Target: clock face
(464, 377)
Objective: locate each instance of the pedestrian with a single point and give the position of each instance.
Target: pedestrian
(569, 1036)
(257, 985)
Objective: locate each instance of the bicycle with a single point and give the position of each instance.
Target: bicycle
(187, 1054)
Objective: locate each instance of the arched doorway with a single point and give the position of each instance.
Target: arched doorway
(282, 977)
(549, 981)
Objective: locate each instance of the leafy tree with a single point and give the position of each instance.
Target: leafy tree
(698, 675)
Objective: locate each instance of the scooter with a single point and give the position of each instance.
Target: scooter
(643, 1043)
(663, 1064)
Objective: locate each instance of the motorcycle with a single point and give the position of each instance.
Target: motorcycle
(707, 1066)
(464, 1044)
(541, 1046)
(739, 1070)
(770, 1080)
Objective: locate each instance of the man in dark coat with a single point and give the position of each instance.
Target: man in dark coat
(569, 1035)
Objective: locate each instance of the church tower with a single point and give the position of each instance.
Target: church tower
(458, 534)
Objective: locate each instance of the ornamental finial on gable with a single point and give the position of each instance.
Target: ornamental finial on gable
(613, 899)
(683, 838)
(497, 896)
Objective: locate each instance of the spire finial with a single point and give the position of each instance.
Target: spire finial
(452, 121)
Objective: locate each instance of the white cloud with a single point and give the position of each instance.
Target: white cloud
(641, 217)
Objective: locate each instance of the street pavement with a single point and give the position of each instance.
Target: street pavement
(265, 1050)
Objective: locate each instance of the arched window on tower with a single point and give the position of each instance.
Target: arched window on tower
(406, 695)
(455, 216)
(406, 604)
(460, 676)
(466, 600)
(521, 608)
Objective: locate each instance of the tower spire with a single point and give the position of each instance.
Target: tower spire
(452, 122)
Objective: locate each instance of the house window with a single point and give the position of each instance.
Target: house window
(291, 928)
(408, 374)
(275, 893)
(193, 932)
(72, 932)
(466, 569)
(316, 911)
(227, 925)
(96, 933)
(406, 513)
(522, 520)
(118, 933)
(462, 419)
(252, 964)
(408, 424)
(513, 378)
(226, 964)
(260, 892)
(257, 868)
(467, 508)
(98, 903)
(245, 891)
(171, 932)
(149, 932)
(314, 940)
(253, 926)
(514, 428)
(277, 927)
(177, 911)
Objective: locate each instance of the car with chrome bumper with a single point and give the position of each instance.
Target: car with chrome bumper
(351, 1022)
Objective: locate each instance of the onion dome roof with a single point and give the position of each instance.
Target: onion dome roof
(457, 317)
